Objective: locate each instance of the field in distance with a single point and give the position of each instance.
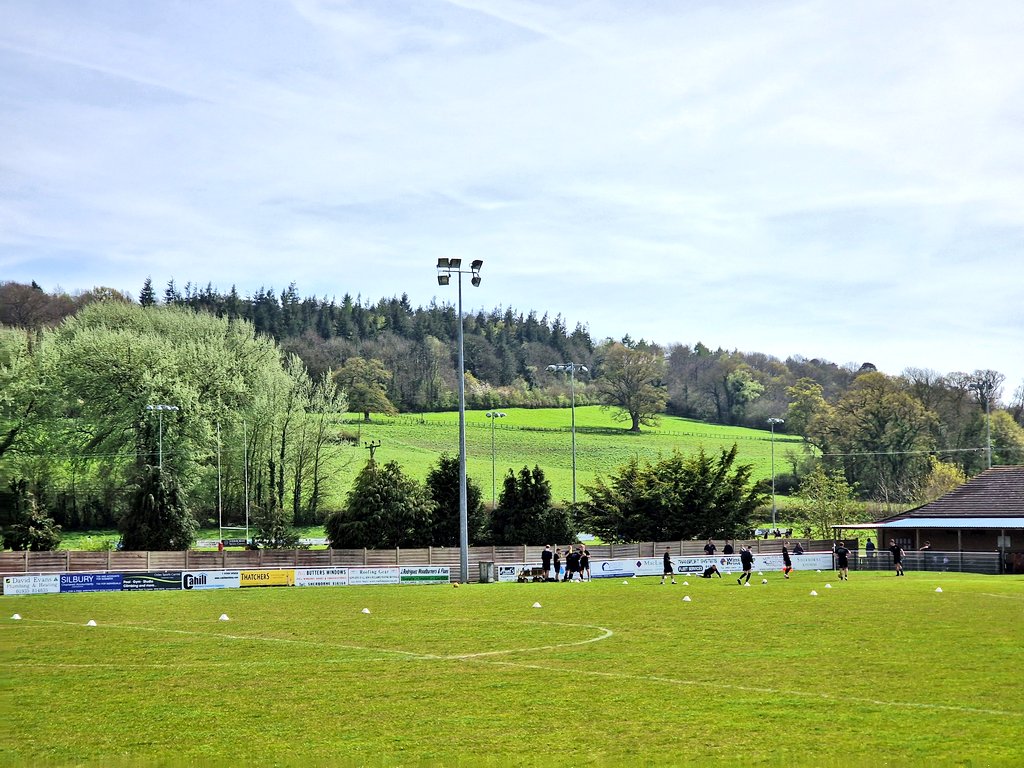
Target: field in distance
(877, 670)
(542, 437)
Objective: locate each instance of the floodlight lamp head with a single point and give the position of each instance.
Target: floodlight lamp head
(442, 263)
(477, 263)
(476, 281)
(454, 263)
(443, 279)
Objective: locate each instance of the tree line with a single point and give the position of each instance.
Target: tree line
(264, 374)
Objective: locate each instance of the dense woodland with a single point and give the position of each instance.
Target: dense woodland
(77, 372)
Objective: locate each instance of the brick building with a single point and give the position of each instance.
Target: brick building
(985, 514)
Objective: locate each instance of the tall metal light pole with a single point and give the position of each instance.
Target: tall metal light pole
(571, 369)
(445, 269)
(988, 432)
(160, 414)
(773, 422)
(493, 416)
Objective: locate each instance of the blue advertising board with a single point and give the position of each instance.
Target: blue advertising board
(90, 582)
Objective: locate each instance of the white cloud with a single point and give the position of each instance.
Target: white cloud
(795, 178)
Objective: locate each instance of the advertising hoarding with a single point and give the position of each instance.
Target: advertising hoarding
(321, 577)
(90, 582)
(32, 584)
(151, 581)
(210, 580)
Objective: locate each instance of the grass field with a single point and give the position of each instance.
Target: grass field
(874, 671)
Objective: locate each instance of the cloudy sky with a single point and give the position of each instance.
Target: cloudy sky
(826, 179)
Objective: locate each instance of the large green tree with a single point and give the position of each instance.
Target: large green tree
(385, 508)
(631, 382)
(443, 487)
(677, 497)
(524, 514)
(364, 383)
(158, 517)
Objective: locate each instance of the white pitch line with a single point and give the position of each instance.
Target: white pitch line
(1004, 597)
(752, 689)
(606, 633)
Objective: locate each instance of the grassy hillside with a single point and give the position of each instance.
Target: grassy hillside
(525, 437)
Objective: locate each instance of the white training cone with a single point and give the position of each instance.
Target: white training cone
(813, 593)
(818, 571)
(686, 583)
(828, 586)
(937, 589)
(746, 584)
(686, 599)
(16, 617)
(625, 582)
(90, 623)
(224, 617)
(536, 605)
(728, 573)
(366, 610)
(760, 574)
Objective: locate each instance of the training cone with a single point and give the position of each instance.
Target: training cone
(746, 584)
(625, 582)
(686, 599)
(813, 593)
(536, 605)
(937, 589)
(366, 610)
(224, 617)
(818, 571)
(16, 617)
(90, 623)
(828, 586)
(760, 574)
(686, 583)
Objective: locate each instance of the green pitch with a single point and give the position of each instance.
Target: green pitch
(875, 671)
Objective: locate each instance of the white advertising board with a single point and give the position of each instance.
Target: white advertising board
(321, 577)
(211, 579)
(654, 566)
(362, 576)
(34, 584)
(425, 574)
(511, 571)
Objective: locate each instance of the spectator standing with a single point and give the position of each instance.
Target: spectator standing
(709, 548)
(556, 563)
(584, 563)
(897, 556)
(545, 561)
(667, 568)
(727, 549)
(572, 564)
(798, 548)
(869, 548)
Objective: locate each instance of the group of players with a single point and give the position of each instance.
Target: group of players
(577, 563)
(842, 555)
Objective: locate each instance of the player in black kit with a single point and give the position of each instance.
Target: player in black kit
(667, 569)
(747, 559)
